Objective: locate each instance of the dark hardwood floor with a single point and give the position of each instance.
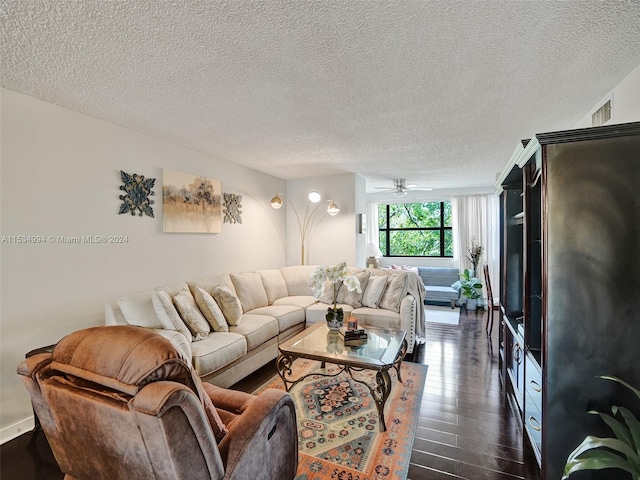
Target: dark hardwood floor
(466, 429)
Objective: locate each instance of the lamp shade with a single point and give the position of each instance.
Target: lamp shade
(373, 250)
(276, 202)
(333, 209)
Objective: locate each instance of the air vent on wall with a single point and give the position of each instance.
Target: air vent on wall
(602, 115)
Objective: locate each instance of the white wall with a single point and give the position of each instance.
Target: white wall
(625, 102)
(330, 239)
(60, 176)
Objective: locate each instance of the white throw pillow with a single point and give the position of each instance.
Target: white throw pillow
(229, 303)
(210, 309)
(374, 291)
(138, 310)
(394, 292)
(168, 315)
(354, 298)
(192, 317)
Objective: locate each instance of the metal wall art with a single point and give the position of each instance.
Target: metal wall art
(191, 203)
(138, 190)
(232, 208)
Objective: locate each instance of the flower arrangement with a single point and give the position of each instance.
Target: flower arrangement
(474, 253)
(336, 276)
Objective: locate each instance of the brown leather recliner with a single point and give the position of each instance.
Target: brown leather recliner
(120, 403)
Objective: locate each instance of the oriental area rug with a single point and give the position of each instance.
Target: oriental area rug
(338, 424)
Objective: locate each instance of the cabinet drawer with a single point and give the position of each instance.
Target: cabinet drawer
(533, 381)
(533, 425)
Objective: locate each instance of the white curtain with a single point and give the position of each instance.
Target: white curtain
(476, 217)
(373, 234)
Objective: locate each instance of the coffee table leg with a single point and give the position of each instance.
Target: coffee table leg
(383, 381)
(283, 365)
(398, 361)
(379, 393)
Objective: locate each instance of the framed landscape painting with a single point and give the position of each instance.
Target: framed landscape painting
(191, 203)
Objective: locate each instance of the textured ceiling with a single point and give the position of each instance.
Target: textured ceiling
(438, 92)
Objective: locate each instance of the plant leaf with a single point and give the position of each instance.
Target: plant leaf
(619, 429)
(634, 426)
(598, 461)
(591, 442)
(622, 382)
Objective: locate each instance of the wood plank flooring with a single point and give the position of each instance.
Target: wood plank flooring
(465, 430)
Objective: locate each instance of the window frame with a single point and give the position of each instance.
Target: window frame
(388, 229)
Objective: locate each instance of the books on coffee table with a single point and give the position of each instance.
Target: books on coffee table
(353, 337)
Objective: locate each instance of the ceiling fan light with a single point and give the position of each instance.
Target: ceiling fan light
(400, 193)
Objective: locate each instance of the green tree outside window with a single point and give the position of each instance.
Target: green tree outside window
(416, 229)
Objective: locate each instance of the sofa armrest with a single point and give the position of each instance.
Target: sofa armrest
(408, 319)
(263, 441)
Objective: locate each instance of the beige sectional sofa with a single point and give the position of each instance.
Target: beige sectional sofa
(247, 314)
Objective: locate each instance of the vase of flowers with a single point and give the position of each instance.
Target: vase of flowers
(474, 253)
(333, 277)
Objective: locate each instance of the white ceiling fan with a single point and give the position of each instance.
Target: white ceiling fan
(400, 187)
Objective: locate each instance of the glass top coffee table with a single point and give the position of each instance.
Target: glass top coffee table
(384, 349)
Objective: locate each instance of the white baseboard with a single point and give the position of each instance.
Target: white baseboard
(15, 430)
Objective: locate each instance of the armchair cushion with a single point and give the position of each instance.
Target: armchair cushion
(124, 358)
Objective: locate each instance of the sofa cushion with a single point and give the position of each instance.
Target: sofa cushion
(377, 317)
(394, 292)
(210, 309)
(167, 313)
(354, 298)
(302, 301)
(318, 312)
(138, 310)
(229, 304)
(256, 329)
(298, 279)
(439, 276)
(437, 293)
(249, 290)
(274, 284)
(286, 315)
(191, 315)
(373, 293)
(217, 351)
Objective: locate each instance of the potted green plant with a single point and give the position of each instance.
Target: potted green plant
(621, 452)
(470, 287)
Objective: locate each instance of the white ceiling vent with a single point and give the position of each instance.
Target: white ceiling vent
(602, 115)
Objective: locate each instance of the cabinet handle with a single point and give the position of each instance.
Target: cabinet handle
(535, 385)
(537, 426)
(517, 354)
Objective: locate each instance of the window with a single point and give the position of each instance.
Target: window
(416, 229)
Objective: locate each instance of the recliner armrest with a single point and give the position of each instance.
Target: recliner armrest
(262, 442)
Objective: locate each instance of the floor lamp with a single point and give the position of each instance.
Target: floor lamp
(305, 222)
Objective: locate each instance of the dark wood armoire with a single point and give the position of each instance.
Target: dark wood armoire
(570, 285)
